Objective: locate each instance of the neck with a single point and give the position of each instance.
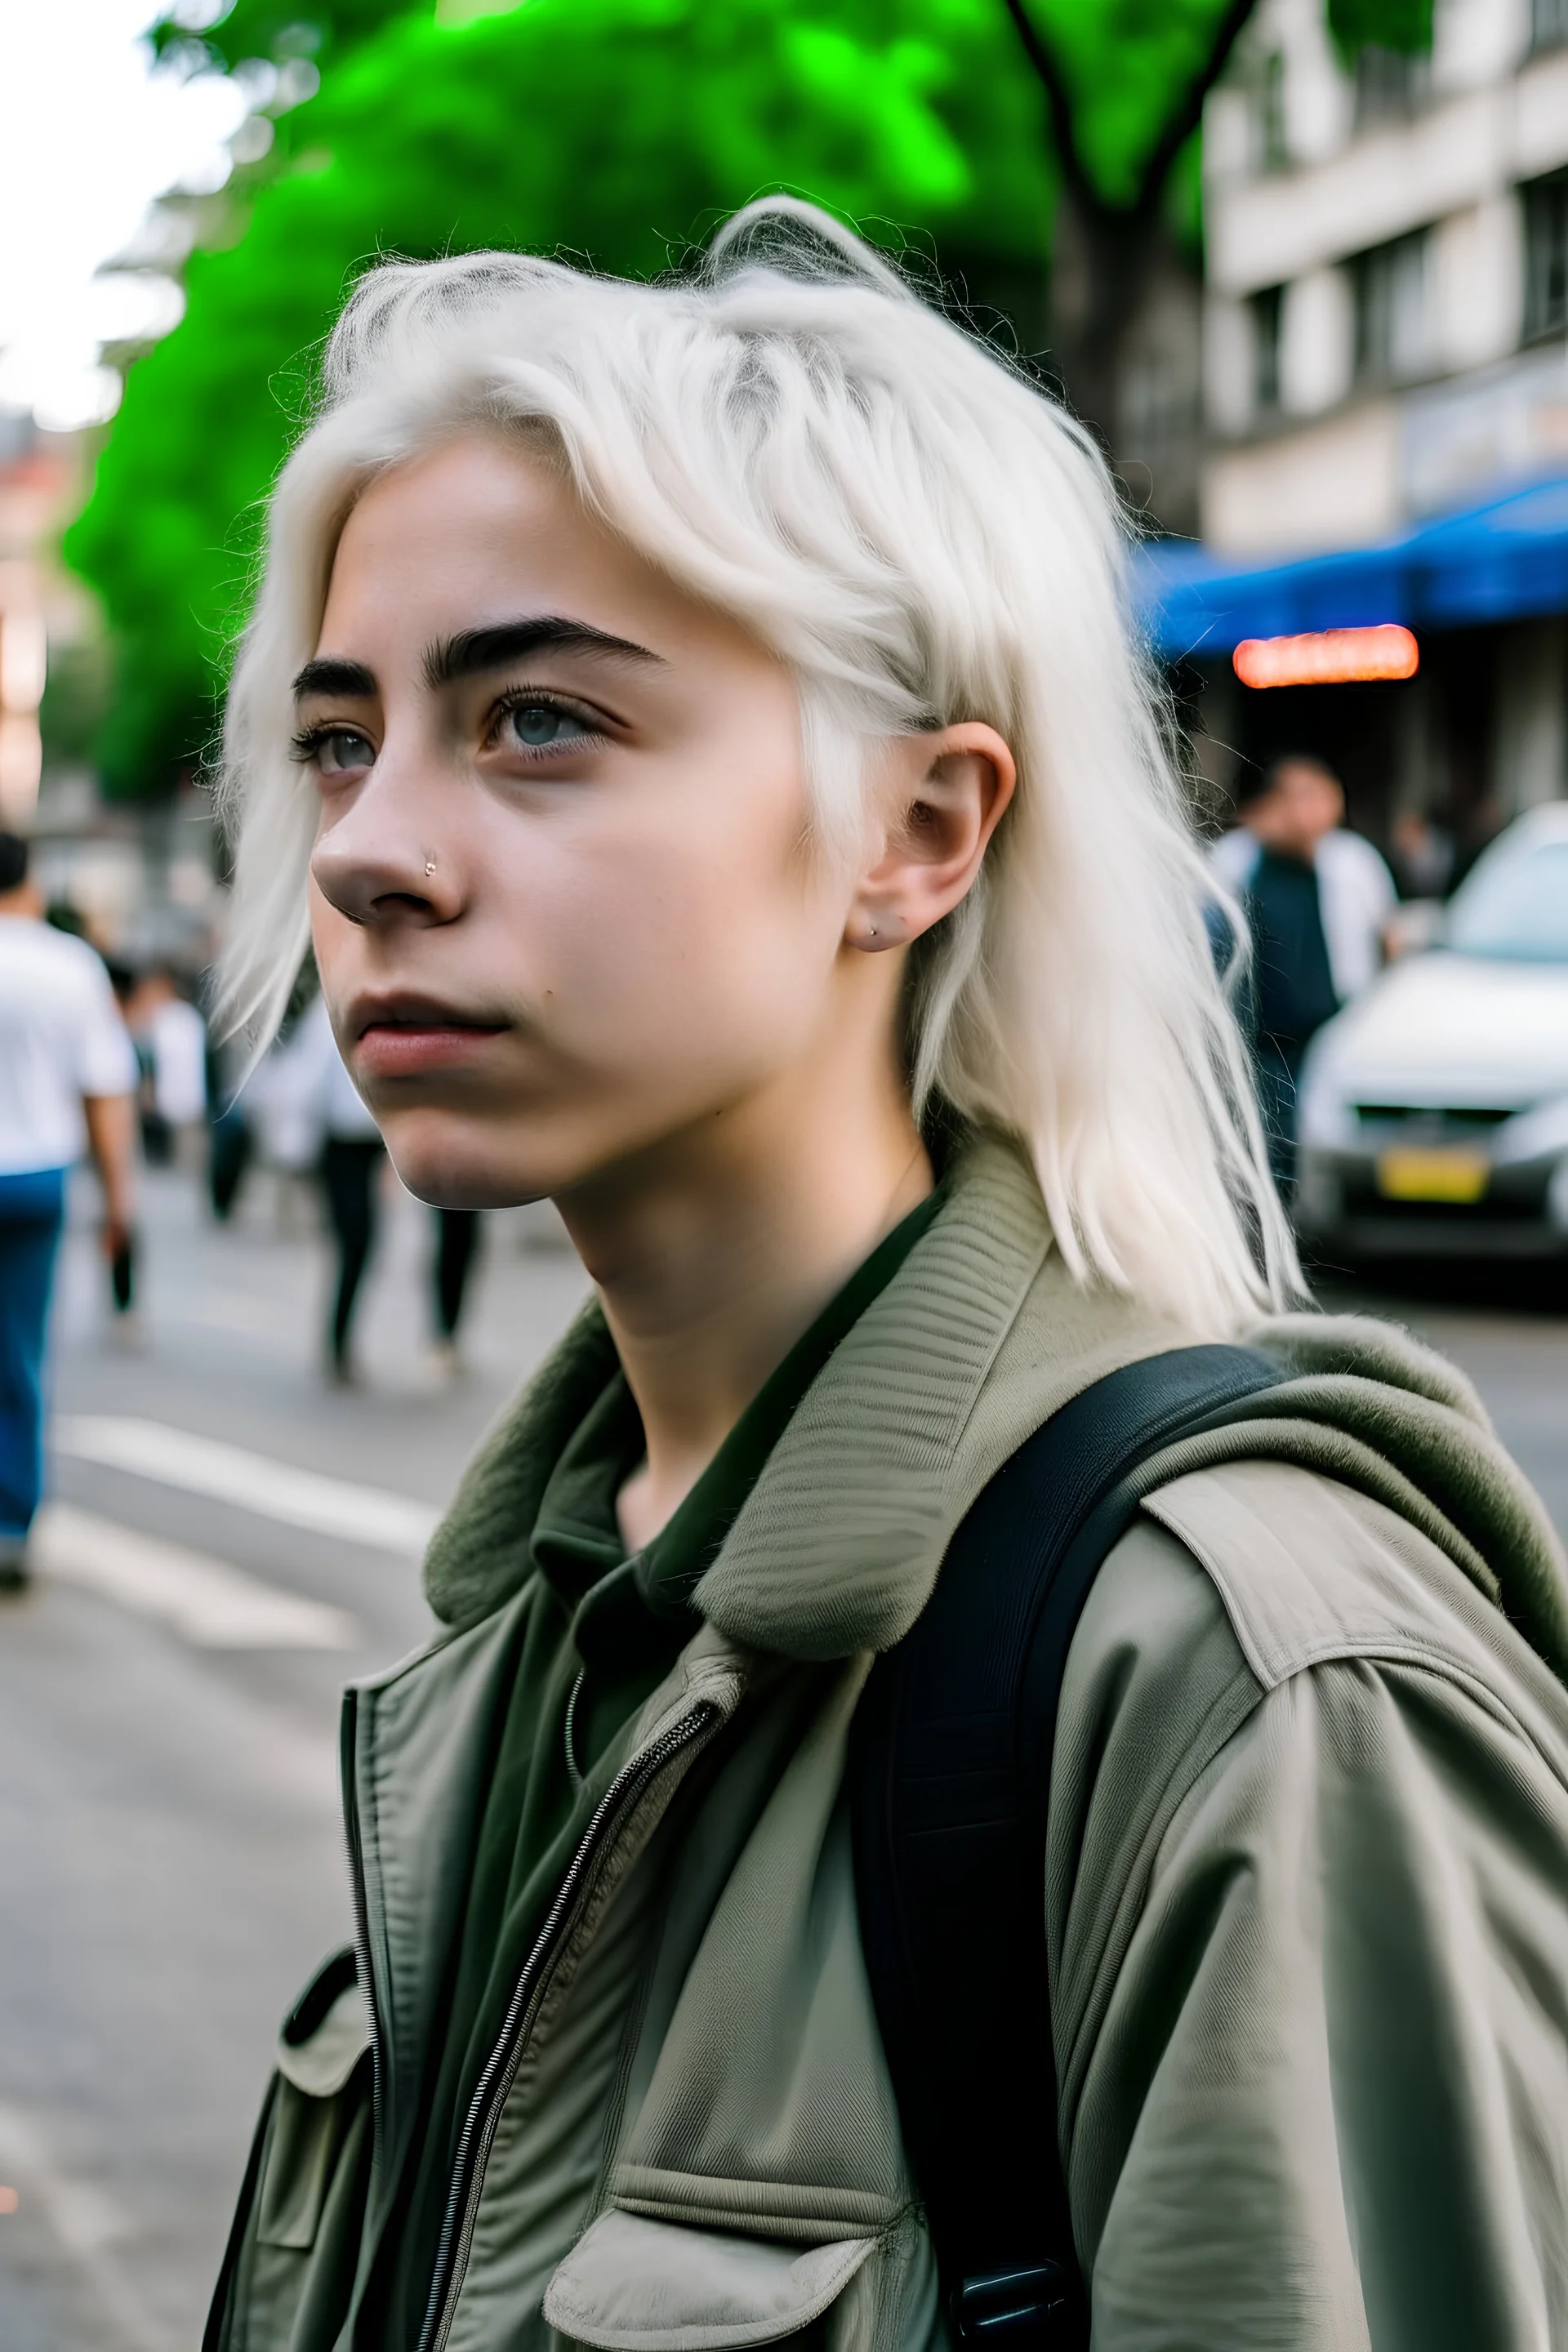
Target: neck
(720, 1247)
(23, 900)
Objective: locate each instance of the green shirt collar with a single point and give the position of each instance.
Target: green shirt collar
(576, 1542)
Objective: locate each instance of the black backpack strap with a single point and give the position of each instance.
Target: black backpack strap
(949, 1781)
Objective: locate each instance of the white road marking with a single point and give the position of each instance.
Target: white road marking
(84, 2217)
(214, 1605)
(86, 2221)
(278, 1490)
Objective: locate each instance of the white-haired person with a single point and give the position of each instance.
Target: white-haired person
(699, 728)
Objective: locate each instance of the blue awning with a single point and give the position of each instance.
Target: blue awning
(1494, 563)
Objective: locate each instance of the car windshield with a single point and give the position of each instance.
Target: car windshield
(1518, 909)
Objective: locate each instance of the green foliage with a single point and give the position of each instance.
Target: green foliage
(273, 29)
(76, 701)
(1126, 64)
(1404, 25)
(614, 129)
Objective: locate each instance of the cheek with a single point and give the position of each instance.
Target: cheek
(338, 945)
(665, 945)
(330, 931)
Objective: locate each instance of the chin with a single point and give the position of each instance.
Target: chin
(447, 1163)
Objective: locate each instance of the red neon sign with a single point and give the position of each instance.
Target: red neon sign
(1327, 657)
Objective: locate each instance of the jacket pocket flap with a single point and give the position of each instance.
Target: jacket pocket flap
(636, 2285)
(327, 2033)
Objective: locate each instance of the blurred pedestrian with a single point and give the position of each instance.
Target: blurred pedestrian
(456, 1247)
(230, 1140)
(1319, 901)
(349, 1162)
(122, 1258)
(171, 1040)
(65, 1070)
(286, 1130)
(1422, 854)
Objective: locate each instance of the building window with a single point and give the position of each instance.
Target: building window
(1273, 147)
(1546, 256)
(1388, 85)
(1267, 309)
(1548, 24)
(1393, 311)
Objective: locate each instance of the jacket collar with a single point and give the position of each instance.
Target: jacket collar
(981, 1335)
(482, 1551)
(837, 1546)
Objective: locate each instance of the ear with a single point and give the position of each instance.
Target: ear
(942, 797)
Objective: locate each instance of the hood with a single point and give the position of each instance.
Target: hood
(1451, 1030)
(981, 1335)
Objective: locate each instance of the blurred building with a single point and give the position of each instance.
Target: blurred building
(1385, 361)
(140, 877)
(31, 483)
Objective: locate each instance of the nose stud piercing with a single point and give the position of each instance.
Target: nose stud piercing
(429, 865)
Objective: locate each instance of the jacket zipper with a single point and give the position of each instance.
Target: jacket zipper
(361, 1913)
(495, 2082)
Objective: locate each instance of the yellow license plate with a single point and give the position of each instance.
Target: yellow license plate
(1438, 1174)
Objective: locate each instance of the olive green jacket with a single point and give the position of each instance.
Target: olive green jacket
(1306, 1899)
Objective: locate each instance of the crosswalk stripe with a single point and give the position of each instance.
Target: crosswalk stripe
(213, 1603)
(278, 1490)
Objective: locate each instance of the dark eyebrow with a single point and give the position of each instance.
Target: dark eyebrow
(327, 675)
(480, 650)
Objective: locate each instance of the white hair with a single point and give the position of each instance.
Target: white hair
(795, 436)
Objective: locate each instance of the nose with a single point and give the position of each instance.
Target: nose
(382, 868)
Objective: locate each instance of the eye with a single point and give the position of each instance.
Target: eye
(334, 751)
(340, 751)
(531, 726)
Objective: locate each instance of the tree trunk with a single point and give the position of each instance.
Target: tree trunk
(1101, 267)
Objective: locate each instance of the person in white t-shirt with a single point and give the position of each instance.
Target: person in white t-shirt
(67, 1076)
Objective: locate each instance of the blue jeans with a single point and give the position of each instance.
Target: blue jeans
(32, 1212)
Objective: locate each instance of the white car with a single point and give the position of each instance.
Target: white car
(1433, 1113)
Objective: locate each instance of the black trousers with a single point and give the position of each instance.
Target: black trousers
(350, 1168)
(457, 1246)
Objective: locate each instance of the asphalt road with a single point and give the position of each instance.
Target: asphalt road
(170, 1841)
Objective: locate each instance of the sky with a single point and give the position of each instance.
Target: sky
(89, 134)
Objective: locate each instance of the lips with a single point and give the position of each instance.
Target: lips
(405, 1036)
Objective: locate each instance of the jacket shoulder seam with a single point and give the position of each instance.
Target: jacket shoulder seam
(1416, 1658)
(1275, 1657)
